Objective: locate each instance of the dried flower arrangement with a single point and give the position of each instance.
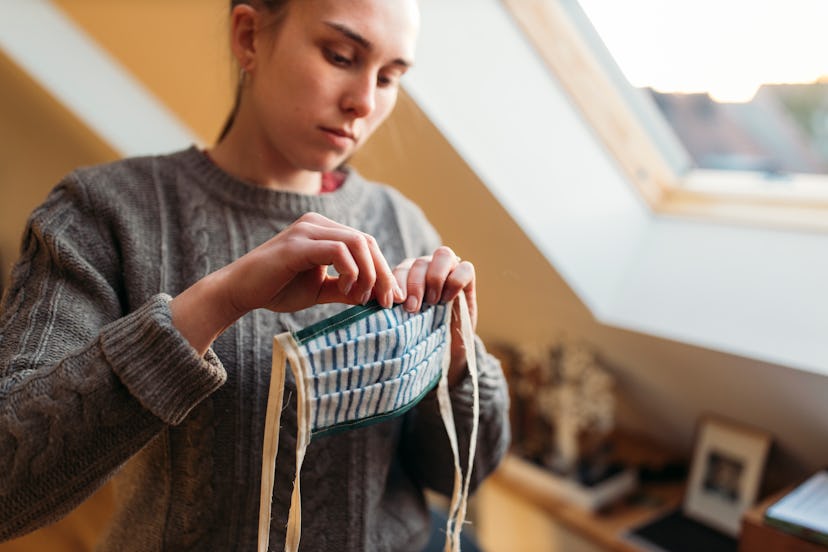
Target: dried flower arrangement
(562, 405)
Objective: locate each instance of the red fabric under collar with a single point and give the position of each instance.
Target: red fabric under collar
(331, 181)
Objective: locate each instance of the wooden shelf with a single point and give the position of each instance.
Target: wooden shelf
(757, 536)
(605, 530)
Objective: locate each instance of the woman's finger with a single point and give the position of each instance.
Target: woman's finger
(400, 273)
(460, 278)
(357, 283)
(463, 279)
(415, 283)
(385, 285)
(374, 277)
(442, 264)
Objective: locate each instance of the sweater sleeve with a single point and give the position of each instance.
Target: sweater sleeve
(425, 448)
(84, 385)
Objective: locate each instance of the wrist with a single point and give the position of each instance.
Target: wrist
(204, 310)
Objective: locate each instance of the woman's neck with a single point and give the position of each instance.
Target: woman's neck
(245, 162)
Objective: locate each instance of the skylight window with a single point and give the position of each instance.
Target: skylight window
(743, 84)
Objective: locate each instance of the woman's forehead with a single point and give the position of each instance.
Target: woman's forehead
(385, 24)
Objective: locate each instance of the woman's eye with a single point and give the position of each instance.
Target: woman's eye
(383, 81)
(337, 59)
(387, 79)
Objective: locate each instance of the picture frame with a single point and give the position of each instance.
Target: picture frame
(725, 472)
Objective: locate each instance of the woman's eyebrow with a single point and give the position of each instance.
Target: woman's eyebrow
(351, 34)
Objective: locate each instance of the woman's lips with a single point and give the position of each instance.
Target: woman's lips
(338, 137)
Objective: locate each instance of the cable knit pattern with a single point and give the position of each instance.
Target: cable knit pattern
(199, 233)
(95, 380)
(137, 346)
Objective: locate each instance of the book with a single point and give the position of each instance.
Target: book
(804, 510)
(676, 532)
(589, 497)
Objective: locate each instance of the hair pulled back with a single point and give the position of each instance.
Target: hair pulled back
(269, 4)
(276, 7)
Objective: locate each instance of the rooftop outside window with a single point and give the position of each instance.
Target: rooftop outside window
(743, 84)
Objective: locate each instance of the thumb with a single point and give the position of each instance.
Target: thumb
(329, 292)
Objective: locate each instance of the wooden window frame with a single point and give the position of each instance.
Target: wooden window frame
(742, 198)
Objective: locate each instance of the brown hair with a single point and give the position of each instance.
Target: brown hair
(277, 8)
(269, 4)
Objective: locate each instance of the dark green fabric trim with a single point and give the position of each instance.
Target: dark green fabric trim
(333, 430)
(336, 322)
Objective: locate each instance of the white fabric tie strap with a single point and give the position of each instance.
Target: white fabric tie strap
(362, 366)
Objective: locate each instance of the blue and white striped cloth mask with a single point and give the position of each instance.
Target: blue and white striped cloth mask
(362, 366)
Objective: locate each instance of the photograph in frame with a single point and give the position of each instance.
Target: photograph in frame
(725, 473)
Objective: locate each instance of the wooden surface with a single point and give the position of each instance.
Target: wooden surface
(757, 536)
(604, 530)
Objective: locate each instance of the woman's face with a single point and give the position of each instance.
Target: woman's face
(327, 76)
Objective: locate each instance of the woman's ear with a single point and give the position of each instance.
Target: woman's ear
(243, 24)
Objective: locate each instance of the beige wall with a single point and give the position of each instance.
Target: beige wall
(39, 143)
(177, 48)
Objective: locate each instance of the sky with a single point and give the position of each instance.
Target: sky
(725, 47)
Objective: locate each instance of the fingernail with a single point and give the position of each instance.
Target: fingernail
(431, 297)
(411, 304)
(365, 297)
(348, 287)
(399, 294)
(389, 299)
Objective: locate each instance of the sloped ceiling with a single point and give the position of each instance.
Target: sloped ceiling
(178, 49)
(40, 141)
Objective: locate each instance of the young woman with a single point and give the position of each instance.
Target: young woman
(136, 334)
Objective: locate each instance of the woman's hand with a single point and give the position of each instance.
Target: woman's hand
(287, 273)
(290, 271)
(439, 278)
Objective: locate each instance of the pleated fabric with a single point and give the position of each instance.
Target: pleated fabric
(362, 366)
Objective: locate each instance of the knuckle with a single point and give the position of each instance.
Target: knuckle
(370, 240)
(309, 217)
(301, 225)
(359, 240)
(340, 249)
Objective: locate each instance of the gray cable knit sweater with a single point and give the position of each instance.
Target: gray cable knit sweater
(95, 381)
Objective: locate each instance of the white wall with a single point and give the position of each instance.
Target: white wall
(695, 317)
(748, 291)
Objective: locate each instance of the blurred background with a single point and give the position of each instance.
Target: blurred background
(687, 315)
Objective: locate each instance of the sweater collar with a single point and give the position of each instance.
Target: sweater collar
(230, 189)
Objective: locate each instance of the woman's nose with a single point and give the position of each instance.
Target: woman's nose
(360, 96)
